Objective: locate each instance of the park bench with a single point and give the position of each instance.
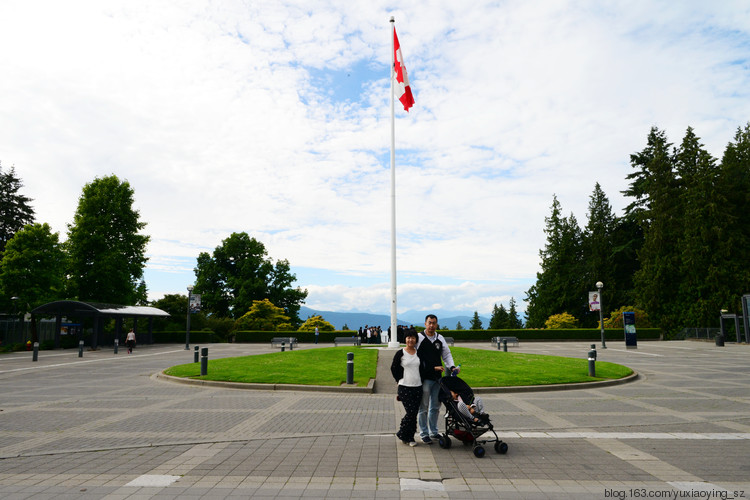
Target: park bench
(345, 340)
(449, 340)
(289, 341)
(510, 340)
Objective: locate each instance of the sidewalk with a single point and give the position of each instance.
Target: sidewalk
(103, 426)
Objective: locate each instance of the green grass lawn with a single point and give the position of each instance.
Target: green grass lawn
(327, 366)
(480, 368)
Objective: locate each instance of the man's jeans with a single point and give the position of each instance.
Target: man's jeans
(430, 401)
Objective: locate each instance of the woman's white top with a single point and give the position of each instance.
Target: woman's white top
(410, 362)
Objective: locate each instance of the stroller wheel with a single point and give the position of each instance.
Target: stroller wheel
(479, 451)
(501, 447)
(444, 441)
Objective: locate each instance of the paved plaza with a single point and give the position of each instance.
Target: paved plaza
(105, 426)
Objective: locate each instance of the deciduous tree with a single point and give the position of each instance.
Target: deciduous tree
(239, 273)
(32, 267)
(107, 253)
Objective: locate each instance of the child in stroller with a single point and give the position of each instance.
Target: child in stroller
(465, 419)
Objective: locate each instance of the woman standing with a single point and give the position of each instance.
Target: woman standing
(405, 369)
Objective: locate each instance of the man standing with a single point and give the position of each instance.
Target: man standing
(317, 332)
(433, 351)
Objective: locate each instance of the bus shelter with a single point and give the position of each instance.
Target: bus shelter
(73, 309)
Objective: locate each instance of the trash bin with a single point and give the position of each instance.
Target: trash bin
(720, 340)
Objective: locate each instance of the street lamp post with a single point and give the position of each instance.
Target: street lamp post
(187, 329)
(15, 318)
(599, 286)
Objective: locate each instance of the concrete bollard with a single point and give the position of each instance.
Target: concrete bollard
(35, 355)
(592, 361)
(117, 345)
(195, 355)
(80, 348)
(349, 367)
(204, 361)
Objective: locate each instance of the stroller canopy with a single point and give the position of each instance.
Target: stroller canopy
(458, 386)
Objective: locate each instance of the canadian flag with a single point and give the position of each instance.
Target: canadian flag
(403, 90)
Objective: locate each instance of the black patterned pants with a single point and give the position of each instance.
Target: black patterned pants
(411, 397)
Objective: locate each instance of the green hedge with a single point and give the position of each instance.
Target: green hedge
(257, 336)
(579, 334)
(178, 337)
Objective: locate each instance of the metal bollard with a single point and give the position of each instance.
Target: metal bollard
(282, 347)
(349, 367)
(291, 345)
(35, 355)
(117, 345)
(195, 355)
(204, 361)
(505, 345)
(592, 361)
(80, 348)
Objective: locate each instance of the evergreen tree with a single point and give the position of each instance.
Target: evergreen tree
(514, 322)
(657, 209)
(15, 211)
(106, 253)
(627, 240)
(459, 326)
(559, 286)
(476, 323)
(708, 270)
(499, 319)
(734, 184)
(598, 249)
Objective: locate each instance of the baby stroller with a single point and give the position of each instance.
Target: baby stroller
(459, 425)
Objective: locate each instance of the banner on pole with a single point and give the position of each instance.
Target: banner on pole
(594, 301)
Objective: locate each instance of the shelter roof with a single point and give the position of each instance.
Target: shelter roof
(74, 307)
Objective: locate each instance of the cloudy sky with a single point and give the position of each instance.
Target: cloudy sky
(273, 118)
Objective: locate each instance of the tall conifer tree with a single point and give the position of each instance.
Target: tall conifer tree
(559, 286)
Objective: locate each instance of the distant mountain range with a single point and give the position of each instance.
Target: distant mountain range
(354, 320)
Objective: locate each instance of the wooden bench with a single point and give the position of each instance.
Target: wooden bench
(510, 340)
(290, 341)
(449, 340)
(345, 340)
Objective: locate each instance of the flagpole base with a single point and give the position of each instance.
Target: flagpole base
(393, 345)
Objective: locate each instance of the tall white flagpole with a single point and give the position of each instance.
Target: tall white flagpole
(393, 340)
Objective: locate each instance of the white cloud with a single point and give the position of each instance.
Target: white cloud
(216, 114)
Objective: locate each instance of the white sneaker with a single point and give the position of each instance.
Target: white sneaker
(412, 443)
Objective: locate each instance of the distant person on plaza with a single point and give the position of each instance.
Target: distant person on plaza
(406, 371)
(433, 352)
(317, 333)
(130, 341)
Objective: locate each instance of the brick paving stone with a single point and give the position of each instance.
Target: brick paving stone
(84, 429)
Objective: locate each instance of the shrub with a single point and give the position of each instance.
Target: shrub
(615, 320)
(560, 321)
(316, 321)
